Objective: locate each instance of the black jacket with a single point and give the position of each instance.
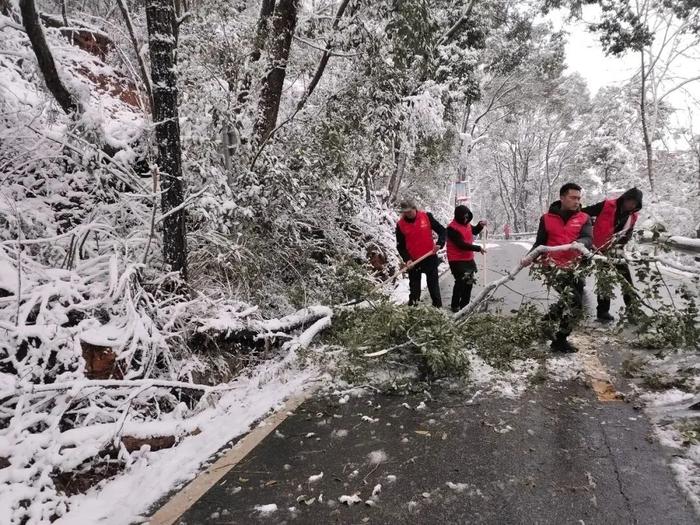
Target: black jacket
(463, 215)
(621, 215)
(585, 237)
(401, 239)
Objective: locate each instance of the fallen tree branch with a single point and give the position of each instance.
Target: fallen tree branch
(305, 338)
(290, 322)
(534, 254)
(23, 390)
(676, 266)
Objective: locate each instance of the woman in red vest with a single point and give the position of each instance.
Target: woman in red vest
(414, 239)
(614, 222)
(564, 223)
(460, 255)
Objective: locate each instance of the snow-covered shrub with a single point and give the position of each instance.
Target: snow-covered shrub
(666, 217)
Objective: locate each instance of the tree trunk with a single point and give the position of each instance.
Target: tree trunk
(283, 23)
(160, 18)
(645, 130)
(261, 31)
(134, 42)
(30, 19)
(324, 60)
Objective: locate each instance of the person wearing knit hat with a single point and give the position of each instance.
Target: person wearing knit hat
(460, 255)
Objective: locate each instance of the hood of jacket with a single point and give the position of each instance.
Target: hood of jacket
(634, 194)
(463, 215)
(555, 207)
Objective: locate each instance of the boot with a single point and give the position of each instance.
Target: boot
(561, 345)
(605, 317)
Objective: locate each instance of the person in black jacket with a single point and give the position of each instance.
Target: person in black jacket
(414, 240)
(614, 223)
(460, 255)
(563, 224)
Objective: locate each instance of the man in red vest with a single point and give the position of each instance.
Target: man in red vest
(564, 223)
(460, 255)
(614, 222)
(414, 239)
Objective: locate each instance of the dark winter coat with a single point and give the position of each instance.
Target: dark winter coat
(401, 238)
(585, 236)
(463, 215)
(621, 215)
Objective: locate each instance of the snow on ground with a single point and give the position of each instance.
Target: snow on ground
(565, 368)
(685, 462)
(511, 384)
(675, 425)
(128, 497)
(526, 245)
(515, 382)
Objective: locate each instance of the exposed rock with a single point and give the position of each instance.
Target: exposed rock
(101, 362)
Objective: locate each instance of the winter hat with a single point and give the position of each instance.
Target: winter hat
(463, 215)
(633, 194)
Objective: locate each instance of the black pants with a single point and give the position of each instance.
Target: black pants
(569, 308)
(429, 267)
(463, 272)
(604, 302)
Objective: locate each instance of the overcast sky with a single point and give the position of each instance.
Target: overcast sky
(584, 55)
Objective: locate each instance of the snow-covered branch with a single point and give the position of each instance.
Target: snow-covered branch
(533, 255)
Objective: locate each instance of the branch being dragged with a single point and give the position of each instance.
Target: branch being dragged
(489, 290)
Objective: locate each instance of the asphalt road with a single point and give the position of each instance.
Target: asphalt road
(502, 256)
(556, 455)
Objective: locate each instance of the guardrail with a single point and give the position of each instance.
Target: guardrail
(518, 235)
(675, 242)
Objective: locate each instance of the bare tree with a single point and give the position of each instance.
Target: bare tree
(284, 21)
(30, 18)
(262, 29)
(658, 75)
(161, 21)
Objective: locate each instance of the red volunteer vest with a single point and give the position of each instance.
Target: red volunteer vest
(559, 232)
(604, 226)
(455, 253)
(418, 235)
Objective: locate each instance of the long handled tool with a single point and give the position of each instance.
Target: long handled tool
(403, 269)
(485, 235)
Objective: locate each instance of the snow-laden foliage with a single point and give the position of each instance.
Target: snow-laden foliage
(413, 96)
(428, 341)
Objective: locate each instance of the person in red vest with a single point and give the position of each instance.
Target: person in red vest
(614, 222)
(564, 223)
(414, 239)
(506, 231)
(460, 255)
